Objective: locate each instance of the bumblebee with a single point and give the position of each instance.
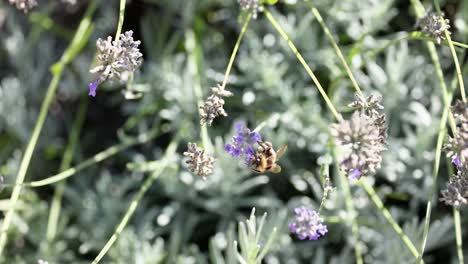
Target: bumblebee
(266, 157)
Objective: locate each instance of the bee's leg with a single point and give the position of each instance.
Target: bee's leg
(275, 168)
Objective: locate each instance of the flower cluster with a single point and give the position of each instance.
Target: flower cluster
(457, 146)
(24, 5)
(434, 26)
(213, 106)
(198, 161)
(456, 193)
(114, 59)
(307, 224)
(253, 5)
(364, 137)
(243, 142)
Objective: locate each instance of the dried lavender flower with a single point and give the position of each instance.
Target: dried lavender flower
(253, 5)
(457, 146)
(198, 161)
(24, 5)
(307, 224)
(371, 107)
(214, 105)
(243, 142)
(456, 193)
(434, 25)
(114, 59)
(362, 139)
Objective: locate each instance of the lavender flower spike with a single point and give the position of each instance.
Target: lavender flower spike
(242, 142)
(307, 224)
(114, 58)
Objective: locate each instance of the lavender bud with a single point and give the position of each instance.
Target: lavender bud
(457, 146)
(24, 5)
(253, 5)
(214, 105)
(116, 58)
(456, 193)
(199, 162)
(307, 224)
(434, 26)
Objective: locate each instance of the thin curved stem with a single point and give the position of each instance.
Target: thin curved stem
(435, 172)
(296, 52)
(65, 164)
(416, 35)
(458, 234)
(440, 139)
(386, 214)
(234, 51)
(443, 86)
(121, 19)
(135, 201)
(194, 53)
(454, 53)
(335, 47)
(419, 9)
(101, 156)
(80, 39)
(349, 201)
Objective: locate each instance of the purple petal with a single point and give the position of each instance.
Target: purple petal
(239, 127)
(92, 88)
(355, 174)
(456, 161)
(254, 137)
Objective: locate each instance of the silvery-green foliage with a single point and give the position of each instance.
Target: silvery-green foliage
(183, 219)
(252, 251)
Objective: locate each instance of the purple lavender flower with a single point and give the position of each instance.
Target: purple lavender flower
(242, 142)
(92, 88)
(307, 224)
(456, 161)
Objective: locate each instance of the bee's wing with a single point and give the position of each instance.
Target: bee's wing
(281, 151)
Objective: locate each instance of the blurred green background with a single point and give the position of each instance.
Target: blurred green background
(183, 219)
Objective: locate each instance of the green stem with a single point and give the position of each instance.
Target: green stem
(454, 53)
(416, 35)
(443, 86)
(419, 9)
(435, 171)
(349, 201)
(65, 164)
(386, 214)
(283, 34)
(194, 54)
(458, 234)
(335, 47)
(80, 39)
(134, 204)
(121, 19)
(109, 152)
(236, 48)
(440, 139)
